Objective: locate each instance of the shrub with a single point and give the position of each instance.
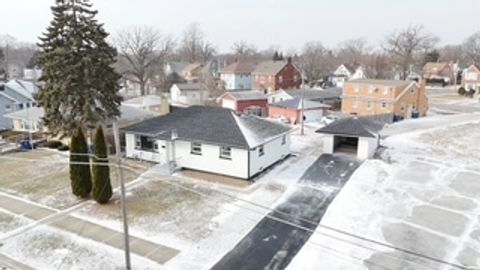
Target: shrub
(54, 144)
(80, 175)
(63, 148)
(462, 91)
(102, 188)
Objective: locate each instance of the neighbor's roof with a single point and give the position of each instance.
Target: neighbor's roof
(30, 114)
(177, 67)
(188, 86)
(128, 113)
(191, 67)
(270, 67)
(211, 125)
(395, 83)
(312, 94)
(246, 95)
(296, 103)
(354, 126)
(24, 88)
(239, 67)
(432, 67)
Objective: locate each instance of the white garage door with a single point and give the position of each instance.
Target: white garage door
(313, 116)
(229, 104)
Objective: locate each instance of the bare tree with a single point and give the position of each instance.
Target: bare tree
(315, 60)
(207, 51)
(471, 48)
(192, 42)
(407, 45)
(142, 53)
(454, 53)
(243, 49)
(353, 51)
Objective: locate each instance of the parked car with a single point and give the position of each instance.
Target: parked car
(327, 120)
(25, 145)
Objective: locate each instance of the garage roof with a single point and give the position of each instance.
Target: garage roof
(354, 127)
(296, 103)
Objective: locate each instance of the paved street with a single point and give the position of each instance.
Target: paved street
(273, 244)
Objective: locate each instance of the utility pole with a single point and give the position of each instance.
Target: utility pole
(118, 154)
(302, 128)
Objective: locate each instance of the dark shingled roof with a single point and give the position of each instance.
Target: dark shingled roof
(313, 94)
(296, 103)
(247, 95)
(212, 125)
(354, 126)
(239, 67)
(270, 67)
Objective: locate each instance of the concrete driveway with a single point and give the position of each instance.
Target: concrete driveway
(273, 244)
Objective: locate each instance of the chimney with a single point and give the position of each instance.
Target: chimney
(289, 59)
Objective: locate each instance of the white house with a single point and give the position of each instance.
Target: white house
(346, 73)
(187, 94)
(355, 135)
(237, 76)
(15, 96)
(210, 139)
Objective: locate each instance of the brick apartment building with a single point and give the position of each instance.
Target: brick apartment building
(392, 99)
(270, 76)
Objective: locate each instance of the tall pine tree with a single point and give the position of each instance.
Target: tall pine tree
(80, 86)
(80, 176)
(102, 188)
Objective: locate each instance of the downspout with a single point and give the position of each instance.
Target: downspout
(248, 167)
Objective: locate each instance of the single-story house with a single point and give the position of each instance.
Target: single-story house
(249, 102)
(210, 139)
(188, 94)
(291, 109)
(357, 135)
(330, 96)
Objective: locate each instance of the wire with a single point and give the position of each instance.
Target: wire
(427, 257)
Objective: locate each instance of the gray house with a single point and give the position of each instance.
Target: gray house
(14, 96)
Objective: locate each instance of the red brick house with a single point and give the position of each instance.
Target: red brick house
(270, 76)
(249, 102)
(291, 110)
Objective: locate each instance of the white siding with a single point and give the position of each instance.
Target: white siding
(187, 98)
(131, 152)
(274, 151)
(278, 97)
(210, 160)
(229, 104)
(313, 115)
(366, 147)
(237, 81)
(328, 144)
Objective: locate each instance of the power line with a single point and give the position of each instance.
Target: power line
(362, 238)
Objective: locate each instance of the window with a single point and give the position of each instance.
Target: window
(371, 89)
(280, 79)
(20, 106)
(355, 104)
(196, 148)
(384, 104)
(8, 108)
(261, 151)
(145, 144)
(225, 152)
(369, 105)
(412, 90)
(284, 139)
(357, 88)
(386, 90)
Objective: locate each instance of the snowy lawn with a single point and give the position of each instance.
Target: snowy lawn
(9, 222)
(424, 196)
(46, 248)
(43, 178)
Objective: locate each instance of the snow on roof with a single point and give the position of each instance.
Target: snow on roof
(24, 88)
(30, 114)
(395, 83)
(246, 95)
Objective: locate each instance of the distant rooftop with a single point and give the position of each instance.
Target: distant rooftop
(247, 95)
(239, 67)
(296, 103)
(354, 126)
(380, 82)
(269, 67)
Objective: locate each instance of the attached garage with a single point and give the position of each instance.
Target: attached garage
(356, 136)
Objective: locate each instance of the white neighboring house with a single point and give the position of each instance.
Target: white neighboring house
(210, 139)
(346, 73)
(15, 95)
(187, 94)
(237, 76)
(32, 74)
(357, 135)
(152, 103)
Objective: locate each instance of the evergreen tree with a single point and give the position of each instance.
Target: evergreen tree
(275, 56)
(432, 56)
(102, 188)
(80, 85)
(80, 176)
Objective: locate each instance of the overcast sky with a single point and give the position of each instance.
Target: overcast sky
(286, 23)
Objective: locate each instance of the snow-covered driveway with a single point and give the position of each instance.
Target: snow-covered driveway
(272, 244)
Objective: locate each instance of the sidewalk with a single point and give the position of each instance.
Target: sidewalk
(11, 264)
(153, 251)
